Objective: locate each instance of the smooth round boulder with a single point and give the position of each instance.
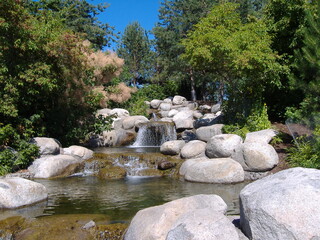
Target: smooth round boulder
(17, 192)
(165, 106)
(154, 223)
(284, 205)
(48, 146)
(52, 166)
(206, 133)
(203, 224)
(263, 136)
(119, 137)
(259, 156)
(184, 119)
(178, 100)
(218, 170)
(172, 147)
(79, 152)
(193, 149)
(223, 145)
(155, 103)
(133, 121)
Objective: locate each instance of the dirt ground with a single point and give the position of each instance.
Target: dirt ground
(281, 148)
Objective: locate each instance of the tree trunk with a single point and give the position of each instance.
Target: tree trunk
(193, 91)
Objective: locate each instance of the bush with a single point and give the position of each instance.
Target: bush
(256, 121)
(306, 152)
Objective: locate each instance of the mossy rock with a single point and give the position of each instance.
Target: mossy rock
(111, 231)
(62, 227)
(151, 172)
(113, 172)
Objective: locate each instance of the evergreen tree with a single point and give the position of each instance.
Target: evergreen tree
(135, 49)
(307, 64)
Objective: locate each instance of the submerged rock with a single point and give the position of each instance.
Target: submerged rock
(282, 206)
(112, 172)
(18, 192)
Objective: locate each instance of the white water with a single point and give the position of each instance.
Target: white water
(155, 134)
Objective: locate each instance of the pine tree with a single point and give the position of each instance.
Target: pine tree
(135, 49)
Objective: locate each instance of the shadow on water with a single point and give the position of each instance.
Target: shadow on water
(120, 199)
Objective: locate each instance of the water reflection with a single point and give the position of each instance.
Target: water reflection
(121, 199)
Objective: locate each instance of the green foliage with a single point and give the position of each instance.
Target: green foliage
(135, 49)
(256, 121)
(238, 55)
(79, 16)
(20, 153)
(307, 65)
(176, 18)
(136, 104)
(306, 153)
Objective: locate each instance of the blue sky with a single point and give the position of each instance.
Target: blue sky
(122, 12)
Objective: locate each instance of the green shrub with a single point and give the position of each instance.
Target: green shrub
(306, 152)
(256, 121)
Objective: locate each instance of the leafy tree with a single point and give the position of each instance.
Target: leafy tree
(239, 56)
(135, 49)
(79, 16)
(176, 18)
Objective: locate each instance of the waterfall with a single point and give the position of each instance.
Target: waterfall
(155, 133)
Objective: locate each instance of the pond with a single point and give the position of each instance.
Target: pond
(120, 199)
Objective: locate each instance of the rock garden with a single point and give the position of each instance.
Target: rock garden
(192, 149)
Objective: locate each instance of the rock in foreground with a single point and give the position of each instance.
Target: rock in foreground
(154, 223)
(18, 192)
(282, 206)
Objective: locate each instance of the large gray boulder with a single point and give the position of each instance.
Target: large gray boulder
(165, 106)
(282, 206)
(218, 170)
(172, 112)
(52, 166)
(17, 192)
(226, 146)
(203, 224)
(193, 149)
(79, 152)
(133, 121)
(206, 133)
(216, 108)
(178, 100)
(119, 112)
(259, 156)
(263, 136)
(119, 137)
(183, 119)
(48, 146)
(154, 223)
(155, 103)
(172, 147)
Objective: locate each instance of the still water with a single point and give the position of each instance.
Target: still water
(120, 199)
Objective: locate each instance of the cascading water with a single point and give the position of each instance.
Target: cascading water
(155, 133)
